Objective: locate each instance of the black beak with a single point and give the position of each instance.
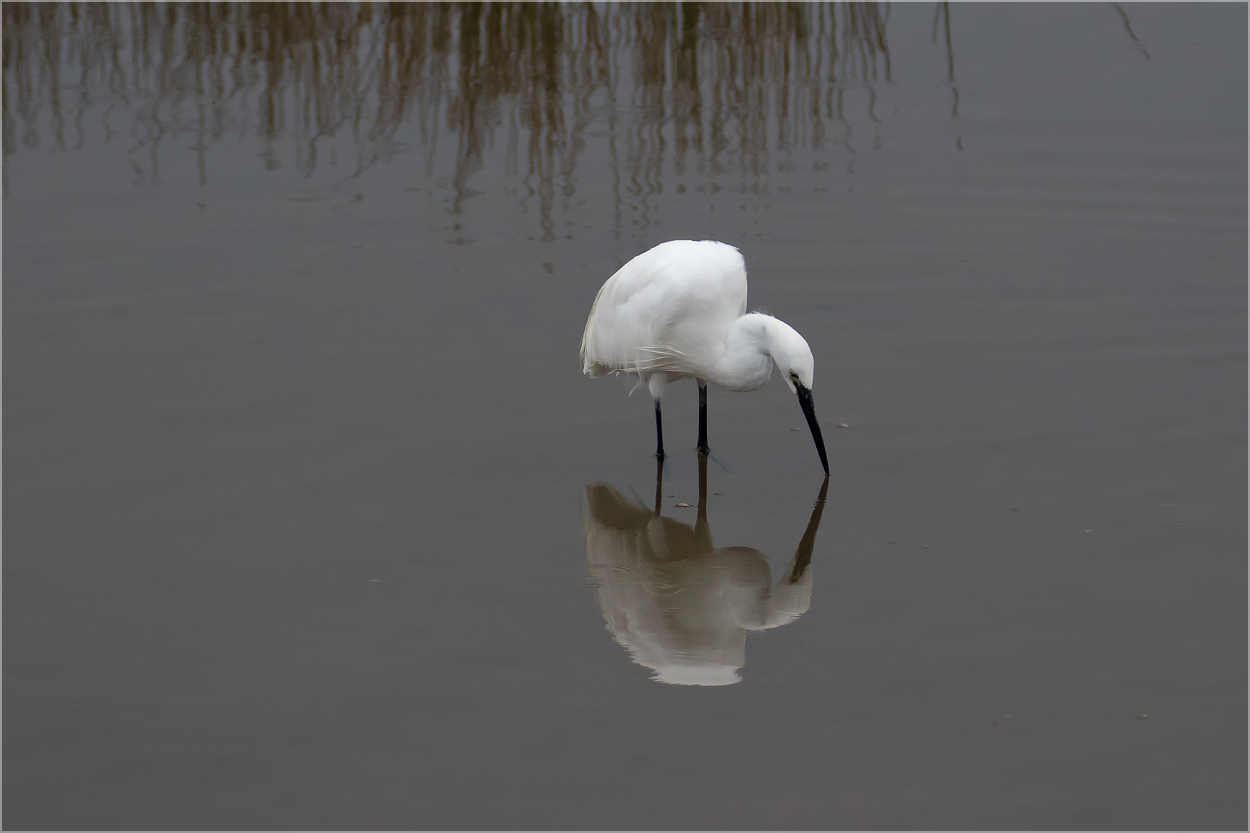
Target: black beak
(809, 411)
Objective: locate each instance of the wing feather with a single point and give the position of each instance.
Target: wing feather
(666, 310)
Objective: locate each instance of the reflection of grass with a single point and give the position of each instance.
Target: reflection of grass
(722, 84)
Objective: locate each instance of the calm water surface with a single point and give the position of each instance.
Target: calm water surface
(311, 520)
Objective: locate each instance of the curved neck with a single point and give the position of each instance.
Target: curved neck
(746, 363)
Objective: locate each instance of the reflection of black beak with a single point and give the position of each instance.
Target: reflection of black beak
(809, 411)
(803, 555)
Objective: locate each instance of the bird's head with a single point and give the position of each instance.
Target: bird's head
(792, 355)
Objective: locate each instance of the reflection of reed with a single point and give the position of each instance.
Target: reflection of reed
(1128, 27)
(724, 84)
(943, 15)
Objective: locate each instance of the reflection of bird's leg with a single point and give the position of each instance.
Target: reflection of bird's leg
(703, 448)
(703, 532)
(659, 482)
(803, 555)
(702, 488)
(659, 431)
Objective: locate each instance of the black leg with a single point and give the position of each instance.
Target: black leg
(703, 448)
(659, 432)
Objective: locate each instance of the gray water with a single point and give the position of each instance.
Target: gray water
(301, 473)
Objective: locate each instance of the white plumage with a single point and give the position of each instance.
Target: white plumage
(667, 310)
(678, 311)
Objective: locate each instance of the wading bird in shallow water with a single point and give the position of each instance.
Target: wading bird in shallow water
(679, 311)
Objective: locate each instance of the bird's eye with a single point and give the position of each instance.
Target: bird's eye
(794, 376)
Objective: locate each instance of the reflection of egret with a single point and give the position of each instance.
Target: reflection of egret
(681, 606)
(678, 311)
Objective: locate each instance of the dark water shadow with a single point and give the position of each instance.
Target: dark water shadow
(678, 603)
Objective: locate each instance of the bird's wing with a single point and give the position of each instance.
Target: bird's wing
(665, 309)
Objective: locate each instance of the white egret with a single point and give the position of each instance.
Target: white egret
(679, 311)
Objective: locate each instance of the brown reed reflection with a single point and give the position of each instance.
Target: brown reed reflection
(704, 87)
(943, 14)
